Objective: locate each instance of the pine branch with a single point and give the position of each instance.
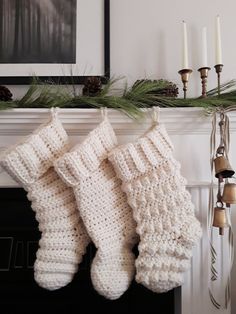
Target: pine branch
(4, 105)
(130, 100)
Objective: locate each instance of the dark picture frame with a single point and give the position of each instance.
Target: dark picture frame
(72, 78)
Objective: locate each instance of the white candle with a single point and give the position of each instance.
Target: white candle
(185, 47)
(218, 42)
(204, 47)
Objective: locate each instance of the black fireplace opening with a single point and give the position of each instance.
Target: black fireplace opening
(19, 293)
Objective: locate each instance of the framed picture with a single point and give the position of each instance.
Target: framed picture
(55, 40)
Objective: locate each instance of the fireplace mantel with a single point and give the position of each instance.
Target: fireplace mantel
(189, 129)
(177, 120)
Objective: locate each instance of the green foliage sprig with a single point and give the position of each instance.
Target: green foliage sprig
(130, 100)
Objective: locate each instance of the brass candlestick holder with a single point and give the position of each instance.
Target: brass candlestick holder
(204, 74)
(185, 73)
(218, 68)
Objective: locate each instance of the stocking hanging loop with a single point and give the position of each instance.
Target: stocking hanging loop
(54, 112)
(104, 112)
(155, 114)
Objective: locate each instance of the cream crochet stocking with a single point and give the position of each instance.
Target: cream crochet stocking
(161, 206)
(103, 208)
(64, 239)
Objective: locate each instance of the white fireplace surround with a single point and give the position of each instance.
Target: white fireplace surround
(189, 129)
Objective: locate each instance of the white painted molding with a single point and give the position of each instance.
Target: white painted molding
(177, 120)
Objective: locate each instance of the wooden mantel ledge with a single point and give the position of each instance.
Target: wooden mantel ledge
(177, 120)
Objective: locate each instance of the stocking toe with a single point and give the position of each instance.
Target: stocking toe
(112, 274)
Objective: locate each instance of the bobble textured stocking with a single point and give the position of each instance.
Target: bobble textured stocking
(64, 238)
(161, 206)
(103, 208)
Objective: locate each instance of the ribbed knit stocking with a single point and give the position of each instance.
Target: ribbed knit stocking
(64, 238)
(103, 208)
(161, 206)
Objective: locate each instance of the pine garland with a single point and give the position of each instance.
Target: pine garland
(130, 100)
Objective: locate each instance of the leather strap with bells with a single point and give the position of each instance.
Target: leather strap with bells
(219, 216)
(223, 168)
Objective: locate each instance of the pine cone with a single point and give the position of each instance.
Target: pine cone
(92, 86)
(170, 89)
(5, 94)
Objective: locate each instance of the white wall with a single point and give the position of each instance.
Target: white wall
(146, 38)
(146, 42)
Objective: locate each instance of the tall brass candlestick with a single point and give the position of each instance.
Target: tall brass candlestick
(218, 68)
(185, 73)
(204, 74)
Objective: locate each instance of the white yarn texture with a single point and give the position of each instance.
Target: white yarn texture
(104, 210)
(162, 208)
(64, 238)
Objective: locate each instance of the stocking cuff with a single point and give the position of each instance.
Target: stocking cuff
(31, 158)
(87, 156)
(134, 159)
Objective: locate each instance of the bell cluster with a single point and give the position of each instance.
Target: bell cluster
(225, 175)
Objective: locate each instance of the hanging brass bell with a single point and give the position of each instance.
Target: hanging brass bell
(223, 168)
(220, 219)
(229, 193)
